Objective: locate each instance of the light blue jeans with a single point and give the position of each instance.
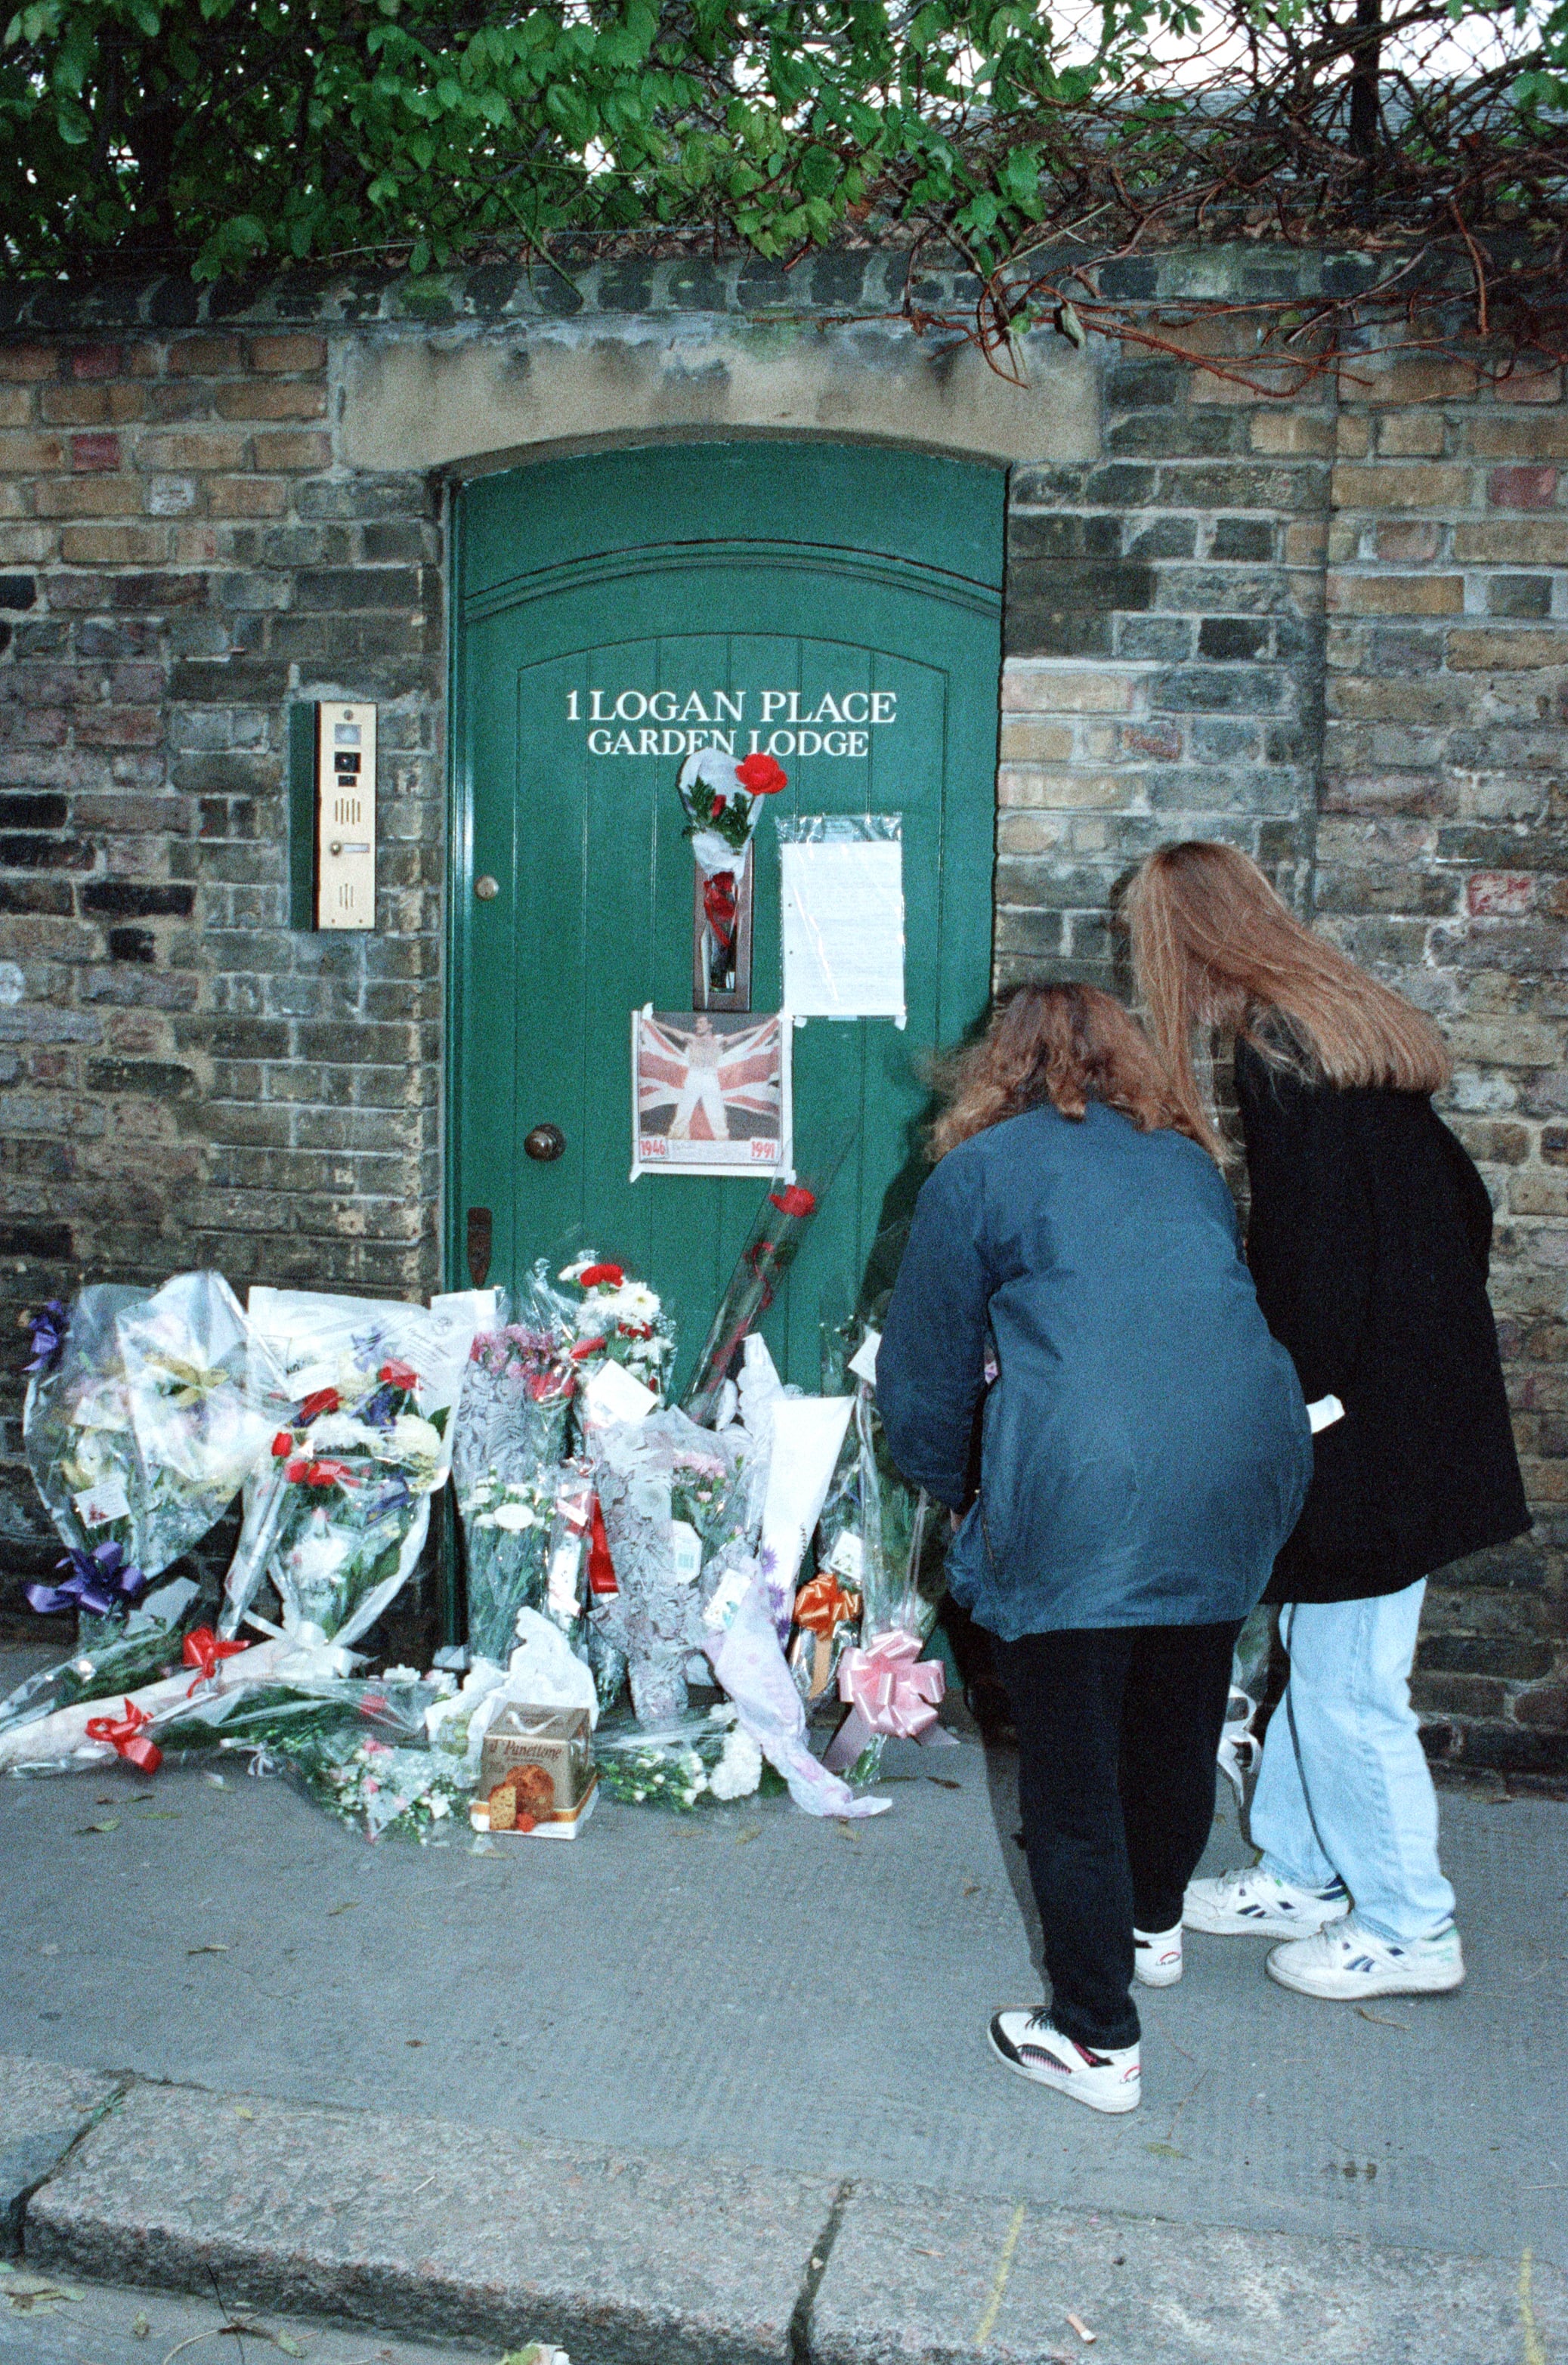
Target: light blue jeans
(1344, 1786)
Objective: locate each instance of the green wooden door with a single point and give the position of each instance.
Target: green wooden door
(604, 605)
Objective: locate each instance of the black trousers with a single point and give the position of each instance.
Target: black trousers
(1117, 1733)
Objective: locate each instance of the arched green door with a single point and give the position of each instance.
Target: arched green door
(607, 608)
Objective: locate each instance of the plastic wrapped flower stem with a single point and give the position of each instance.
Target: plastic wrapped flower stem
(771, 1246)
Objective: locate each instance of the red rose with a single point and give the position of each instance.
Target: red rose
(761, 777)
(584, 1347)
(326, 1474)
(793, 1200)
(299, 1470)
(399, 1376)
(612, 1274)
(324, 1400)
(283, 1444)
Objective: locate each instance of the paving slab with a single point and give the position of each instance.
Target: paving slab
(43, 2110)
(926, 2279)
(749, 1985)
(621, 2259)
(73, 2323)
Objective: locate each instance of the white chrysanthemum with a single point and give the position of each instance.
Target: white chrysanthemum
(634, 1302)
(336, 1432)
(739, 1770)
(414, 1440)
(512, 1516)
(318, 1555)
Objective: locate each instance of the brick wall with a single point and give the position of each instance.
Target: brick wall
(188, 1082)
(1332, 628)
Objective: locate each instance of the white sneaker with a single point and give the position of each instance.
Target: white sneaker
(1254, 1903)
(1156, 1957)
(1347, 1963)
(1027, 2044)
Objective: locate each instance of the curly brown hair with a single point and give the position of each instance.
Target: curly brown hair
(1067, 1045)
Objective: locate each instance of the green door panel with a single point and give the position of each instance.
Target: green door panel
(594, 913)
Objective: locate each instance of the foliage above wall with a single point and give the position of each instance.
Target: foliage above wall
(221, 135)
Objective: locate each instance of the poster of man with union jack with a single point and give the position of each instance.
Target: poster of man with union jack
(710, 1093)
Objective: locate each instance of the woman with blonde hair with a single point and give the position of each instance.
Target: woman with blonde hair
(1369, 1240)
(1143, 1453)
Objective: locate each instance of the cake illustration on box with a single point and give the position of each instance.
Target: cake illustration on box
(537, 1778)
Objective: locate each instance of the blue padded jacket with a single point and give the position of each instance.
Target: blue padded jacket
(1145, 1449)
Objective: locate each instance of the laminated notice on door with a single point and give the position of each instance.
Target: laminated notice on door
(842, 877)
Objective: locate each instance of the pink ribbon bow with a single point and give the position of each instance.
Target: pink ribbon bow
(889, 1689)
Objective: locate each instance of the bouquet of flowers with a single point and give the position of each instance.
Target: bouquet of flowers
(881, 1533)
(618, 1320)
(507, 1526)
(114, 1654)
(722, 799)
(145, 1412)
(672, 1504)
(709, 1758)
(517, 1395)
(338, 1518)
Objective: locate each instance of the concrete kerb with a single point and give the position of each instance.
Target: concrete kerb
(44, 2111)
(427, 2227)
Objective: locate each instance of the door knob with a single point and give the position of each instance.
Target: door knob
(544, 1142)
(487, 888)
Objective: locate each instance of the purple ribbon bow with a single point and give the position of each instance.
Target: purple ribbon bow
(100, 1581)
(48, 1335)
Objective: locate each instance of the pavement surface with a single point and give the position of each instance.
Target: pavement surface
(748, 2004)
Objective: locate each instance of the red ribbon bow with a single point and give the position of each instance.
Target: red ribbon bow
(601, 1568)
(124, 1736)
(203, 1651)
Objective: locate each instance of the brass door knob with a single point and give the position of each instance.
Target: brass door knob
(545, 1142)
(487, 888)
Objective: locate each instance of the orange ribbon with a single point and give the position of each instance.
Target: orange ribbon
(125, 1737)
(822, 1606)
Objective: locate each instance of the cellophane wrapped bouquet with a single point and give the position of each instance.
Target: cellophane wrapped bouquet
(511, 1437)
(673, 1507)
(145, 1412)
(884, 1555)
(142, 1426)
(618, 1320)
(339, 1517)
(358, 1746)
(703, 1758)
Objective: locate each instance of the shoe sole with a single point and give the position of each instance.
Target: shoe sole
(1392, 1985)
(1156, 1978)
(1067, 2089)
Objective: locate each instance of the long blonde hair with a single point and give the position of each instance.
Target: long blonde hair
(1213, 946)
(1067, 1045)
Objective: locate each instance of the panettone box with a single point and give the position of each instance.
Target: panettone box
(537, 1778)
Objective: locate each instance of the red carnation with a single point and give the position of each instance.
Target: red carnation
(398, 1376)
(793, 1200)
(324, 1400)
(296, 1471)
(326, 1474)
(611, 1274)
(761, 776)
(283, 1444)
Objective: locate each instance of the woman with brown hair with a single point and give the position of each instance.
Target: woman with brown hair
(1143, 1451)
(1369, 1240)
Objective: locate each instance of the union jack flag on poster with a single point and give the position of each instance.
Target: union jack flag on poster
(710, 1093)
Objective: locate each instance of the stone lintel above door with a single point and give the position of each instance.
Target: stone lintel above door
(424, 400)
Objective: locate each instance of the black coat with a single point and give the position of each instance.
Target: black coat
(1369, 1243)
